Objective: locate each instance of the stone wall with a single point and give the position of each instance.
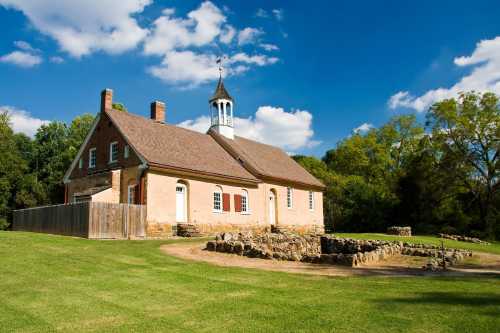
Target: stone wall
(159, 230)
(326, 249)
(463, 239)
(399, 231)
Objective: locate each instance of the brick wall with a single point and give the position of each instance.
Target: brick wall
(104, 134)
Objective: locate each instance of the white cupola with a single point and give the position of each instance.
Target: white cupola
(221, 108)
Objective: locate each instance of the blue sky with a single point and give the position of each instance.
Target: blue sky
(304, 75)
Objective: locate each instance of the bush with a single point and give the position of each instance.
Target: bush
(4, 224)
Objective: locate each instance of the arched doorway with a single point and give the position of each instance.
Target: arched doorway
(181, 195)
(272, 207)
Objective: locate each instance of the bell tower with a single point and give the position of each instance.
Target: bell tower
(221, 108)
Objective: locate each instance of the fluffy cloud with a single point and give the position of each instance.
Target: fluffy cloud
(272, 125)
(21, 58)
(249, 35)
(363, 128)
(22, 121)
(81, 27)
(188, 69)
(484, 76)
(200, 28)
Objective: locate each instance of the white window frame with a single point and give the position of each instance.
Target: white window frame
(129, 188)
(245, 208)
(111, 145)
(126, 151)
(80, 163)
(311, 200)
(289, 197)
(217, 200)
(92, 159)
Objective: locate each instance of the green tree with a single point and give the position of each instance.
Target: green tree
(12, 167)
(467, 131)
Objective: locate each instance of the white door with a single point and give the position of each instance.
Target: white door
(180, 203)
(272, 208)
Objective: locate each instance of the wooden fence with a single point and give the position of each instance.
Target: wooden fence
(96, 220)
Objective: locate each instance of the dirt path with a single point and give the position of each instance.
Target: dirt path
(395, 266)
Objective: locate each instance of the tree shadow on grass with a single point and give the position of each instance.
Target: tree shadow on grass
(480, 301)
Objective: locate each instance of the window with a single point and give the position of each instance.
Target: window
(131, 194)
(311, 200)
(113, 152)
(218, 200)
(244, 202)
(80, 163)
(92, 158)
(126, 151)
(289, 197)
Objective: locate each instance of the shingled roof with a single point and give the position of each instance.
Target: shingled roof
(170, 146)
(267, 161)
(174, 147)
(220, 92)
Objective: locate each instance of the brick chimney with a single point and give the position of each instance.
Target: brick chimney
(158, 111)
(106, 99)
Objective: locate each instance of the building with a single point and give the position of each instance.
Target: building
(212, 182)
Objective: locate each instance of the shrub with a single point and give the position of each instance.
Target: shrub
(3, 223)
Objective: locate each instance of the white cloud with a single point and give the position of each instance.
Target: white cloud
(278, 14)
(261, 13)
(363, 128)
(22, 121)
(259, 60)
(199, 28)
(56, 60)
(227, 34)
(269, 47)
(25, 46)
(21, 58)
(249, 35)
(188, 69)
(288, 130)
(81, 27)
(484, 76)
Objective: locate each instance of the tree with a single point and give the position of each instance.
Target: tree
(119, 107)
(467, 131)
(12, 167)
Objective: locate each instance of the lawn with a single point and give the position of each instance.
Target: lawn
(53, 283)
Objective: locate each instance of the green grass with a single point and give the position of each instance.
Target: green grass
(494, 247)
(52, 283)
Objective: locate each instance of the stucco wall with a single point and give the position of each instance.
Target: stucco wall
(161, 204)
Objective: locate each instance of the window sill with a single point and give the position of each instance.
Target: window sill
(217, 211)
(113, 162)
(246, 213)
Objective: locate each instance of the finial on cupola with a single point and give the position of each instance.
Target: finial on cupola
(221, 107)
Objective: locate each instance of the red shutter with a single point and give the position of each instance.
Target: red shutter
(237, 203)
(226, 204)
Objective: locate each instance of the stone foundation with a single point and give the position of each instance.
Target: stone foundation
(464, 239)
(159, 230)
(325, 249)
(308, 229)
(399, 231)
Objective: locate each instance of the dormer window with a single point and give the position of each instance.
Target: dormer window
(113, 152)
(92, 158)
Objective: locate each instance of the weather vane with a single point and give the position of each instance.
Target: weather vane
(219, 62)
